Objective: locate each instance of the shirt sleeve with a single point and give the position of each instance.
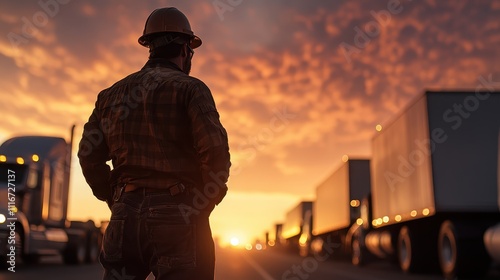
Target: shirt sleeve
(93, 154)
(211, 143)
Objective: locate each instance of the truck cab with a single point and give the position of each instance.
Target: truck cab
(34, 188)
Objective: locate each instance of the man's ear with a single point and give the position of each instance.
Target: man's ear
(184, 50)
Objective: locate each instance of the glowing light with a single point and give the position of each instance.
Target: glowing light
(235, 241)
(378, 127)
(248, 246)
(413, 213)
(35, 158)
(2, 218)
(426, 212)
(271, 243)
(385, 219)
(20, 160)
(345, 158)
(259, 247)
(359, 221)
(355, 203)
(377, 222)
(398, 218)
(3, 158)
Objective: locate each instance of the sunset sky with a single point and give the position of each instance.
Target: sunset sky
(297, 84)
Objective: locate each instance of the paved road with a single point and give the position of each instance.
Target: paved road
(235, 264)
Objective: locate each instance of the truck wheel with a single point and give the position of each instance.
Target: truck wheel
(358, 252)
(76, 251)
(461, 251)
(410, 251)
(416, 248)
(92, 250)
(25, 259)
(405, 250)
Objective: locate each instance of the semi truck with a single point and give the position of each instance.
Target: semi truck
(434, 184)
(34, 189)
(337, 208)
(297, 227)
(274, 236)
(492, 235)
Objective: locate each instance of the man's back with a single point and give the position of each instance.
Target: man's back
(159, 126)
(161, 130)
(148, 115)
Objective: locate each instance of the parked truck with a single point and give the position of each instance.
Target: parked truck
(274, 236)
(34, 188)
(297, 227)
(434, 184)
(492, 235)
(337, 208)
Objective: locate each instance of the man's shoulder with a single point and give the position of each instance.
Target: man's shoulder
(180, 79)
(125, 80)
(198, 84)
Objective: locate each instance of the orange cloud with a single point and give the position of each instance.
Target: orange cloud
(290, 99)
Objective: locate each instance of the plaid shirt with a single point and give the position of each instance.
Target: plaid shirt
(158, 126)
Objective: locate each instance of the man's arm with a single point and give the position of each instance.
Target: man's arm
(211, 142)
(93, 153)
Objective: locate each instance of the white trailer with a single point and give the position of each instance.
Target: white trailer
(337, 207)
(434, 190)
(297, 226)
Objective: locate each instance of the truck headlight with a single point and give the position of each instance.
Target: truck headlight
(2, 218)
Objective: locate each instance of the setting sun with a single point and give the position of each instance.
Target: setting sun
(235, 241)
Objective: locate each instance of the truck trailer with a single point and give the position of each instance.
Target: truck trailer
(337, 208)
(434, 184)
(34, 188)
(297, 227)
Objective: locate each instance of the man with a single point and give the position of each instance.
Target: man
(170, 156)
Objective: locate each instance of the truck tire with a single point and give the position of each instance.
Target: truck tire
(462, 254)
(76, 250)
(416, 248)
(92, 246)
(358, 252)
(407, 250)
(90, 237)
(25, 258)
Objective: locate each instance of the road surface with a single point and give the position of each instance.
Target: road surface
(238, 264)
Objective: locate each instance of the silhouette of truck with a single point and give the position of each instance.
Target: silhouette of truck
(297, 228)
(337, 208)
(34, 187)
(434, 185)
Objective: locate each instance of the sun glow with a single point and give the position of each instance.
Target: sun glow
(235, 241)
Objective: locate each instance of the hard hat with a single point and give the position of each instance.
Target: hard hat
(166, 20)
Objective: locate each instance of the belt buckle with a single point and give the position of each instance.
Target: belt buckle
(177, 189)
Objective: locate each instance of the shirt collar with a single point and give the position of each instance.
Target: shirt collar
(161, 62)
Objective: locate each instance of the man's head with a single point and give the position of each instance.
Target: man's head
(168, 34)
